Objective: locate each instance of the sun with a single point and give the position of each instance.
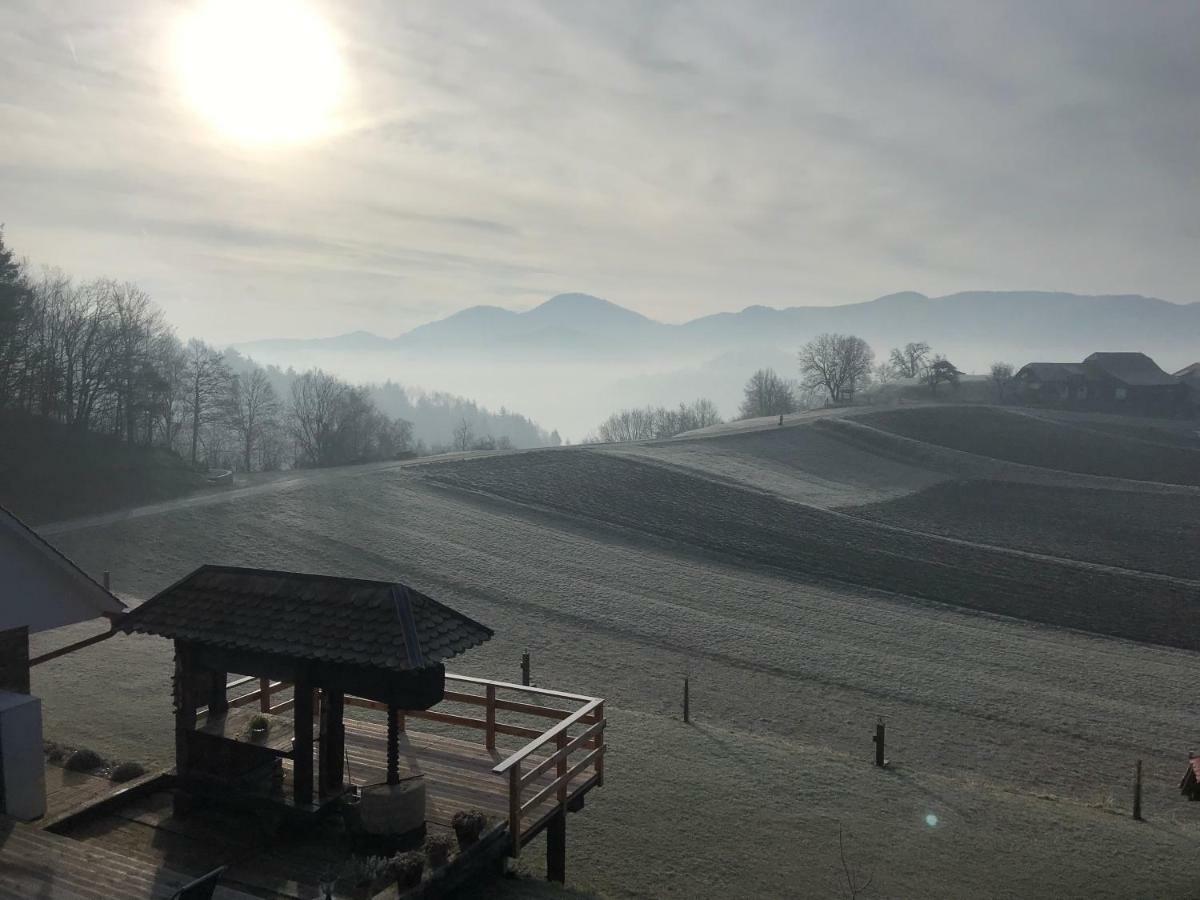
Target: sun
(261, 72)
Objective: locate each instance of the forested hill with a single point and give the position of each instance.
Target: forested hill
(435, 416)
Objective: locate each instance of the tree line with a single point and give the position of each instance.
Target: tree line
(99, 356)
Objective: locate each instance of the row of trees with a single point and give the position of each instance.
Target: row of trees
(99, 356)
(835, 367)
(649, 422)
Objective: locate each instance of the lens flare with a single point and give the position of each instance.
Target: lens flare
(931, 820)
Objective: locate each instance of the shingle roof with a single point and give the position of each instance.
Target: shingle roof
(317, 617)
(1134, 369)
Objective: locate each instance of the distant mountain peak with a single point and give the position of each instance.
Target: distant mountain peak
(579, 304)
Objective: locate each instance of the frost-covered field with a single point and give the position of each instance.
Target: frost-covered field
(622, 571)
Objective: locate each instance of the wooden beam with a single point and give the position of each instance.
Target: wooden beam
(302, 761)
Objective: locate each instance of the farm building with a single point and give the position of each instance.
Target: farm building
(1190, 376)
(1116, 382)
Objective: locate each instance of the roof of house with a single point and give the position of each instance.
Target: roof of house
(39, 587)
(1133, 369)
(1192, 371)
(1045, 371)
(379, 624)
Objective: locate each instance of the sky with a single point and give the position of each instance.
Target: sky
(676, 158)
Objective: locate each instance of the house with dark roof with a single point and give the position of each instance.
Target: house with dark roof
(1114, 382)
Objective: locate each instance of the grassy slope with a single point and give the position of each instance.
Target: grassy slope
(990, 720)
(760, 530)
(1031, 440)
(1155, 533)
(49, 472)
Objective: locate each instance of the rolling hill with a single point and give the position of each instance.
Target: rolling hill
(1027, 631)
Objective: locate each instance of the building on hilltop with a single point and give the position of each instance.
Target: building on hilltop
(1112, 382)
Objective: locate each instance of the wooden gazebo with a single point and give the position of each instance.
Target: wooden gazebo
(327, 636)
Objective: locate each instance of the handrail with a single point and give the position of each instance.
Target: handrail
(590, 715)
(556, 730)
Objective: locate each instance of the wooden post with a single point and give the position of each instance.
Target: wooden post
(218, 695)
(525, 668)
(393, 745)
(562, 769)
(687, 712)
(264, 695)
(185, 705)
(302, 746)
(599, 765)
(514, 809)
(556, 847)
(333, 741)
(879, 744)
(1137, 791)
(490, 733)
(107, 581)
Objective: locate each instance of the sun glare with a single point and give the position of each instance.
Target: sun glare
(261, 71)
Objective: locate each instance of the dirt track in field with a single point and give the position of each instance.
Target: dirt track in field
(621, 569)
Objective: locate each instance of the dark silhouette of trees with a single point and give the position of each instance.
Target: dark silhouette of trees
(909, 361)
(941, 371)
(651, 423)
(838, 364)
(767, 394)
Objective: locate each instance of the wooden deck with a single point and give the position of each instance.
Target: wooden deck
(142, 847)
(37, 864)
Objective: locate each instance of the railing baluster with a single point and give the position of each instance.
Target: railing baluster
(264, 695)
(561, 770)
(490, 734)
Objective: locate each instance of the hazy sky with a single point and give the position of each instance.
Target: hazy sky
(677, 158)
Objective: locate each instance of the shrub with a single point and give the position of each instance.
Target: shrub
(84, 761)
(366, 870)
(127, 771)
(468, 826)
(438, 848)
(407, 868)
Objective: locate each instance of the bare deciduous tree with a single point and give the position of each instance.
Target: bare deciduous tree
(836, 363)
(253, 409)
(206, 384)
(909, 360)
(1001, 378)
(767, 394)
(650, 423)
(464, 435)
(856, 884)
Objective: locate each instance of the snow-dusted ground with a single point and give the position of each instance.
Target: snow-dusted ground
(1019, 738)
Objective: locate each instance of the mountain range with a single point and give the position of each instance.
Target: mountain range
(976, 326)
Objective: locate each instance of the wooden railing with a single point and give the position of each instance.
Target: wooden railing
(569, 755)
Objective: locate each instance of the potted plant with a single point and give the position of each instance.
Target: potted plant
(468, 826)
(259, 726)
